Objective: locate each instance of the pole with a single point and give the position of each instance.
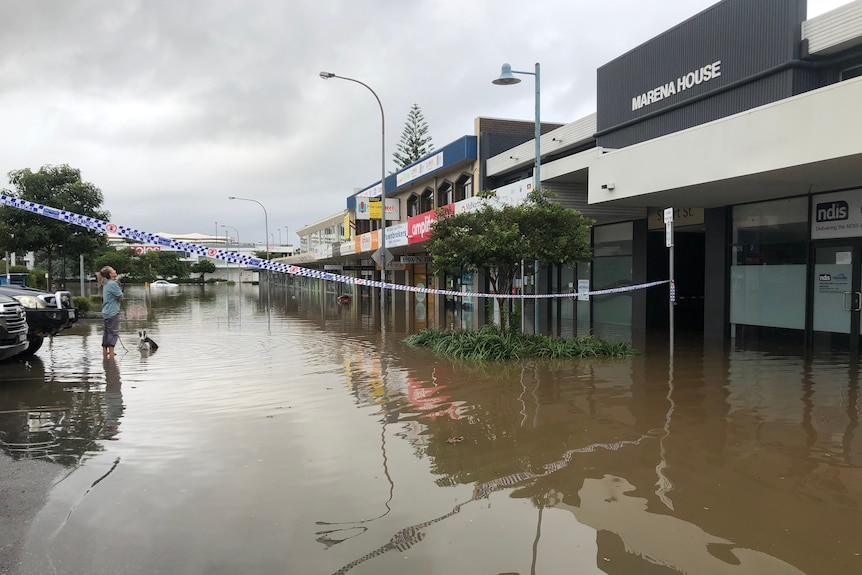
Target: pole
(672, 301)
(327, 76)
(537, 184)
(226, 262)
(265, 219)
(80, 272)
(668, 230)
(507, 78)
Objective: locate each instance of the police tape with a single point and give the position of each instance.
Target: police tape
(104, 227)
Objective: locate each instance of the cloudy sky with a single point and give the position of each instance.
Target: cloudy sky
(171, 106)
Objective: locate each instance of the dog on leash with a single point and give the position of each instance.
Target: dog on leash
(145, 343)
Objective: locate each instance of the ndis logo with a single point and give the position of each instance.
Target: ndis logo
(832, 211)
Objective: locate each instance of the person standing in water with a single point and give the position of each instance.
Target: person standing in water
(112, 295)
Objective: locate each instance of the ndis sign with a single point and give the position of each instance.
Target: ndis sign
(836, 215)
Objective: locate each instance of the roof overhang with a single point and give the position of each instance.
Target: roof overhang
(804, 144)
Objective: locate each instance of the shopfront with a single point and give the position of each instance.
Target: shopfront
(835, 281)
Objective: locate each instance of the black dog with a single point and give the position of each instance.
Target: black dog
(145, 343)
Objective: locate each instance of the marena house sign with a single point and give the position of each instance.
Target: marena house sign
(683, 83)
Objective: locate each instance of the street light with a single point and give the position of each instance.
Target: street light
(507, 78)
(265, 220)
(327, 76)
(279, 236)
(234, 230)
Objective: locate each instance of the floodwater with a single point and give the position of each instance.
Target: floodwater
(295, 438)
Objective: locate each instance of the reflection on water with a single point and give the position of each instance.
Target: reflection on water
(286, 433)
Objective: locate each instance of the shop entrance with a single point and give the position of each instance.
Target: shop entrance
(689, 262)
(836, 294)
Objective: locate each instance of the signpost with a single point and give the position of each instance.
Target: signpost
(668, 235)
(383, 258)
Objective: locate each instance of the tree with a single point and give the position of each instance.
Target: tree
(495, 239)
(203, 267)
(155, 264)
(144, 267)
(59, 187)
(415, 141)
(124, 260)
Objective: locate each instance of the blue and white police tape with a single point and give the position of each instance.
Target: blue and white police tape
(104, 227)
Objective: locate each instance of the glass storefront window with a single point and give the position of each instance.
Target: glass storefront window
(770, 253)
(612, 267)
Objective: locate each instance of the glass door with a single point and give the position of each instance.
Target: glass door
(837, 295)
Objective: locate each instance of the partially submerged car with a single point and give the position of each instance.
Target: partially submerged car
(13, 328)
(47, 313)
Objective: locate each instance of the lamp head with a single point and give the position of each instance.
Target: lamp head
(231, 197)
(327, 75)
(506, 77)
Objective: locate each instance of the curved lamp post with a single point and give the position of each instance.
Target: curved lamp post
(507, 78)
(327, 76)
(265, 219)
(234, 230)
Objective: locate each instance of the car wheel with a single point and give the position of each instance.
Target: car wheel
(35, 344)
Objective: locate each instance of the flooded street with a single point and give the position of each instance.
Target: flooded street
(297, 439)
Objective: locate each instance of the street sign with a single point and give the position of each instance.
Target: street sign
(668, 215)
(382, 257)
(417, 259)
(668, 227)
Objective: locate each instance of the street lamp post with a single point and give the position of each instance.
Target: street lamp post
(327, 76)
(279, 235)
(234, 231)
(265, 219)
(507, 78)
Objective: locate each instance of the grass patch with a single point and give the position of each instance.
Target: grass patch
(490, 344)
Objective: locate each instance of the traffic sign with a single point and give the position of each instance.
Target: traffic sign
(382, 257)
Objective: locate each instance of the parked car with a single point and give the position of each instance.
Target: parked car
(13, 328)
(47, 313)
(163, 284)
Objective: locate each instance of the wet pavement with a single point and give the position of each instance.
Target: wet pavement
(296, 438)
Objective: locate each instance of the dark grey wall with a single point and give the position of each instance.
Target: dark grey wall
(716, 313)
(748, 37)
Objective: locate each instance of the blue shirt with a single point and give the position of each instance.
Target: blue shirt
(111, 296)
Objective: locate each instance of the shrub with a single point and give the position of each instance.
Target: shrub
(490, 344)
(82, 303)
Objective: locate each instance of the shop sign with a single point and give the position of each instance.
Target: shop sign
(836, 215)
(685, 82)
(681, 217)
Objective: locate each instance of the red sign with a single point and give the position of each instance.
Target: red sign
(419, 227)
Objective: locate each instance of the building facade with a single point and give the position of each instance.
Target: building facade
(744, 120)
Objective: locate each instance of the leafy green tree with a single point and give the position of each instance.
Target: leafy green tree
(59, 187)
(147, 267)
(495, 239)
(165, 264)
(124, 261)
(415, 141)
(203, 267)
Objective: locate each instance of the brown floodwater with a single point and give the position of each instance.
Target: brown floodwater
(295, 437)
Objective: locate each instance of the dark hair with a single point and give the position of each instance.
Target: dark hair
(105, 271)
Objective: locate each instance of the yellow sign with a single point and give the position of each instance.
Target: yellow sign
(375, 208)
(345, 234)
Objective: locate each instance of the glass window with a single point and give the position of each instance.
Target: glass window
(770, 253)
(426, 201)
(771, 233)
(611, 268)
(463, 188)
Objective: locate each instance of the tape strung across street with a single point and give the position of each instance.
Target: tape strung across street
(104, 227)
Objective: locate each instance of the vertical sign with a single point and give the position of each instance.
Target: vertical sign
(668, 227)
